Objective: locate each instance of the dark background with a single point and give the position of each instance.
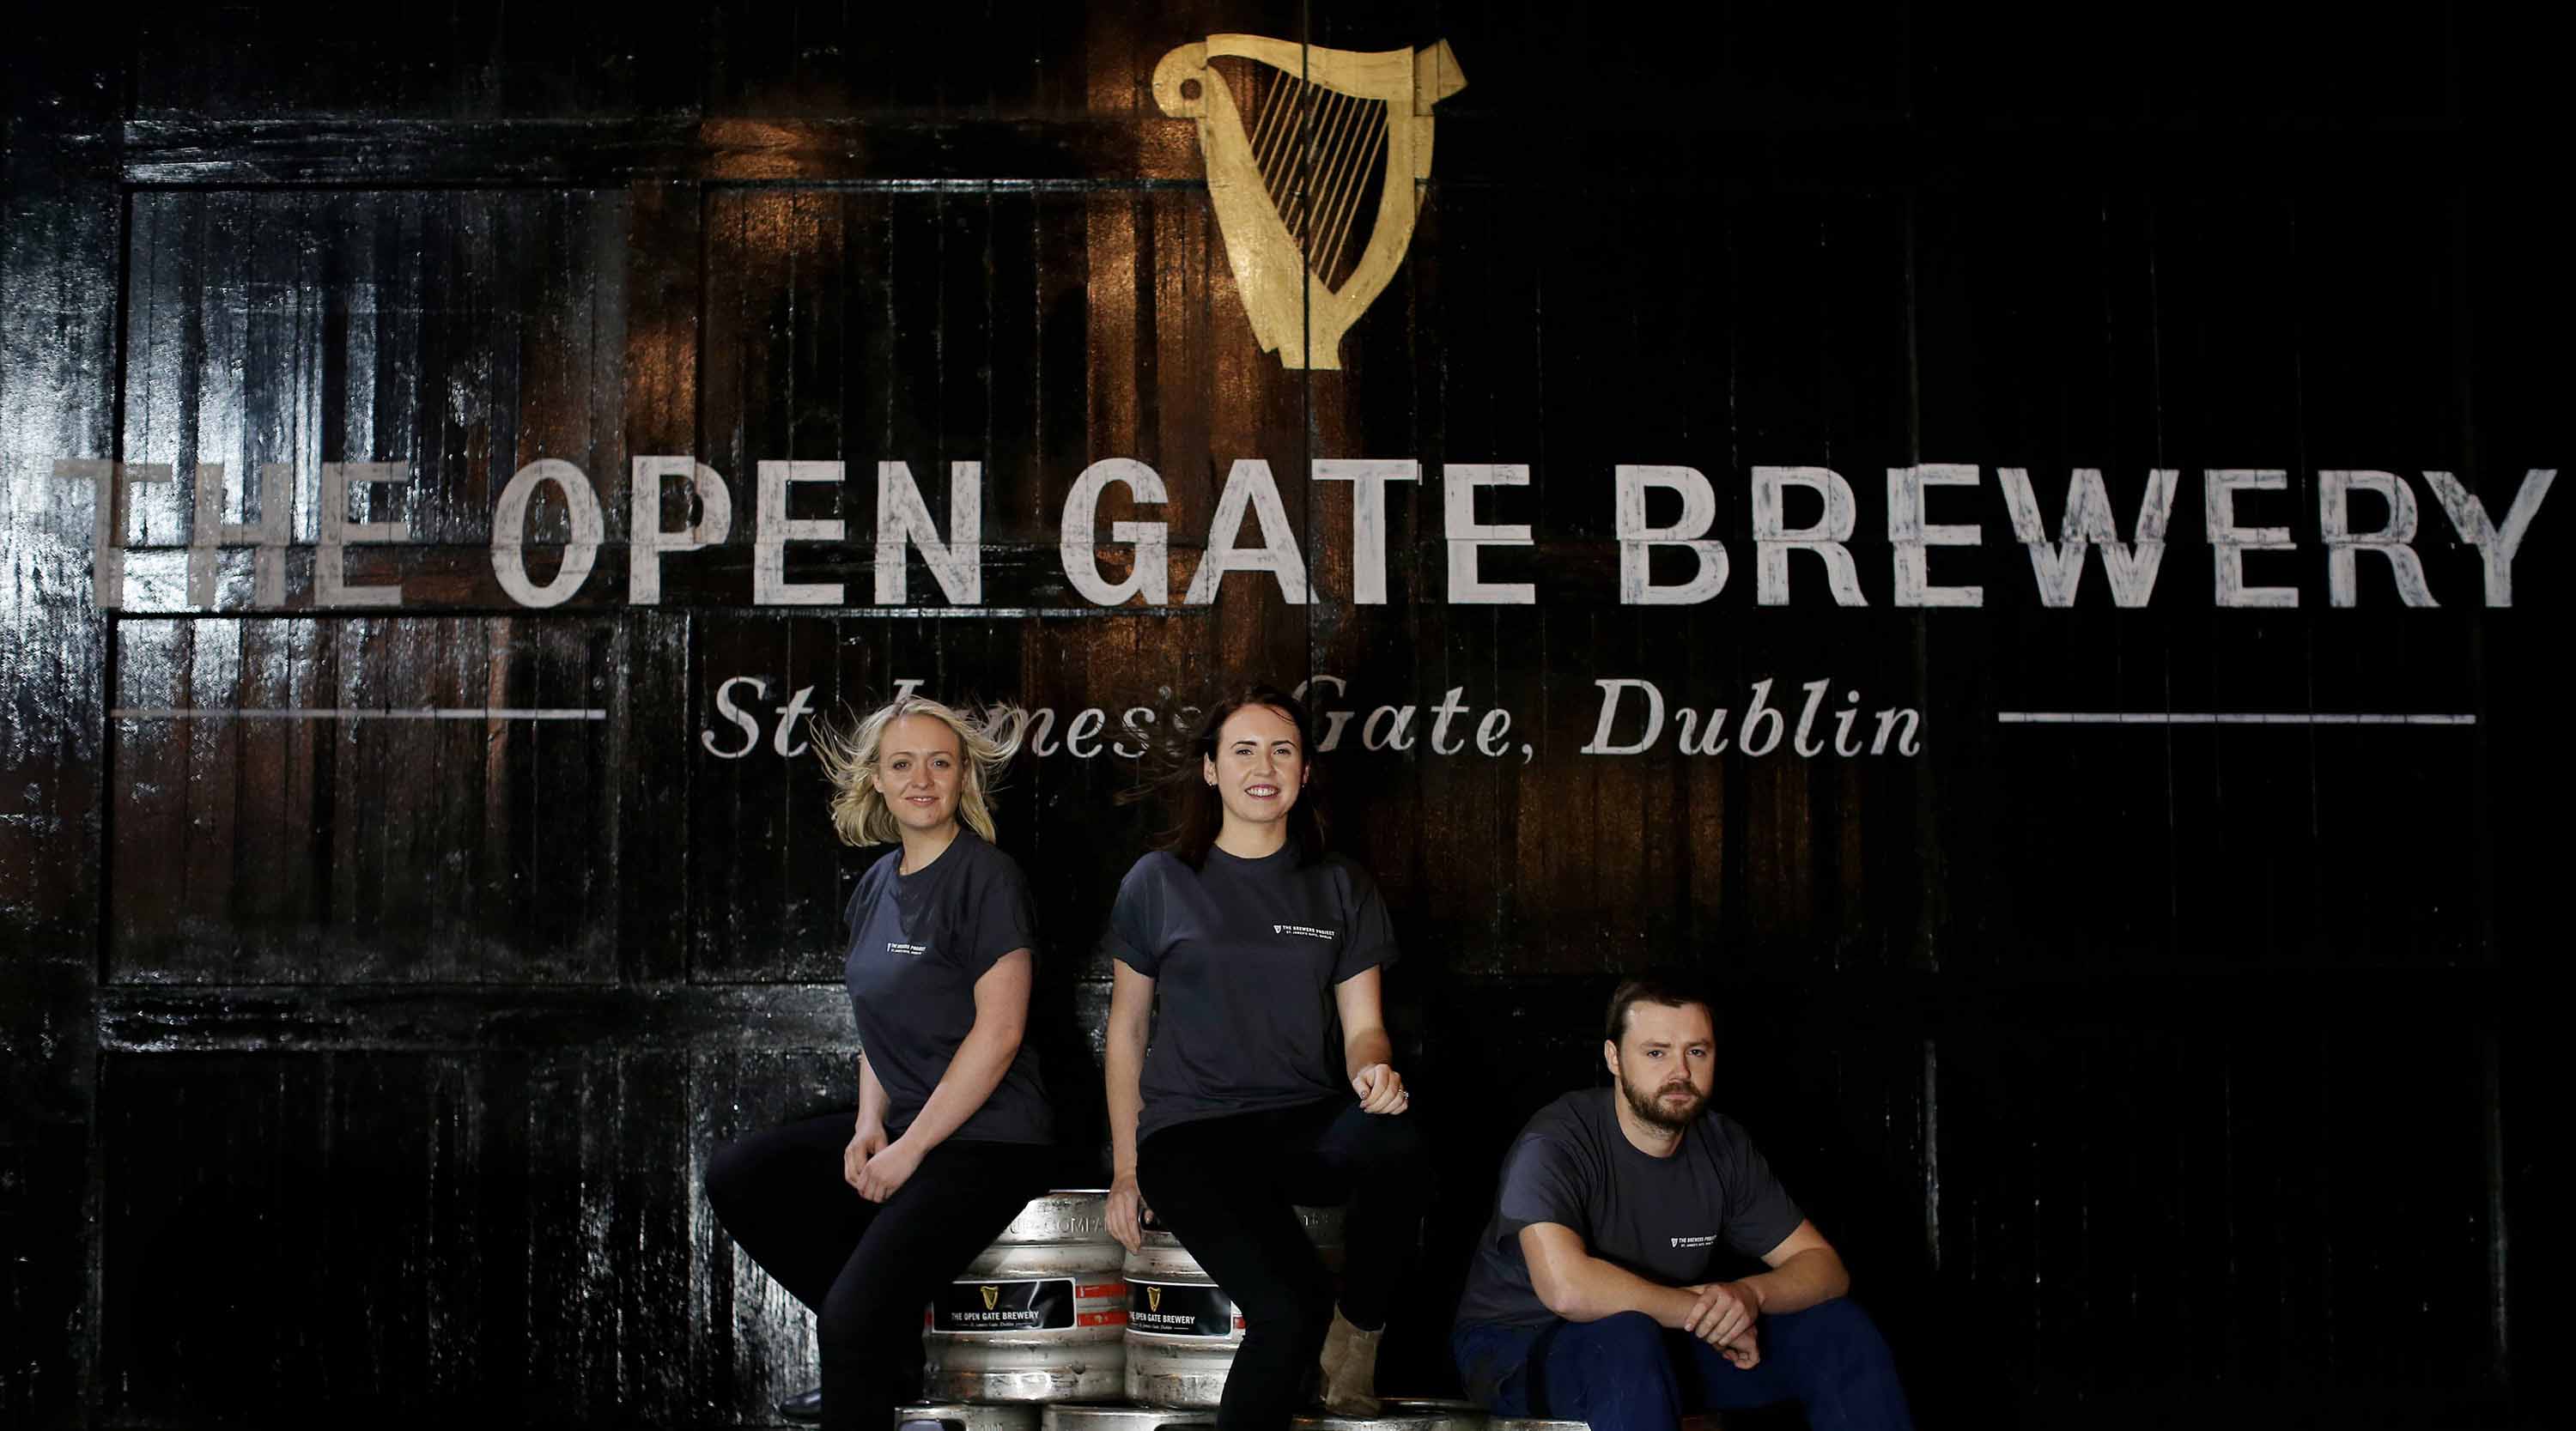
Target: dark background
(2143, 1076)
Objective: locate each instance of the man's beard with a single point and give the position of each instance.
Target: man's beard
(1651, 1106)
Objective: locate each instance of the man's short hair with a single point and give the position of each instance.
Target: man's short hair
(1671, 987)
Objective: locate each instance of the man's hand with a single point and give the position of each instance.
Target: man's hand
(1127, 1211)
(1723, 1317)
(866, 1141)
(1381, 1089)
(887, 1170)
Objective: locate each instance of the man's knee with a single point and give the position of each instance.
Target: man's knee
(1837, 1316)
(1835, 1331)
(1626, 1339)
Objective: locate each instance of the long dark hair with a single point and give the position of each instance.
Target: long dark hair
(1198, 814)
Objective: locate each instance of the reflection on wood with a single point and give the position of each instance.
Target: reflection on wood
(320, 850)
(368, 1063)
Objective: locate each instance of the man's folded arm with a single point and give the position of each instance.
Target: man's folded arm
(1580, 1287)
(1805, 1270)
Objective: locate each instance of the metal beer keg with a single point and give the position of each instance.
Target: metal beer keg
(957, 1417)
(1696, 1421)
(1124, 1418)
(1037, 1315)
(1399, 1414)
(1182, 1330)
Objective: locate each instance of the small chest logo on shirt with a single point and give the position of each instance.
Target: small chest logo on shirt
(1308, 930)
(908, 950)
(1708, 1241)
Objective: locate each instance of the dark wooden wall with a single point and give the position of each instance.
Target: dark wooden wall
(2144, 1075)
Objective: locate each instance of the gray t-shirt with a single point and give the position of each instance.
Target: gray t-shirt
(1665, 1219)
(918, 943)
(1244, 955)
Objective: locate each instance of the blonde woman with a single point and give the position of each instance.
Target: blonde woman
(865, 1220)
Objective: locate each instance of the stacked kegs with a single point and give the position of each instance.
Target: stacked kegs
(1697, 1421)
(1182, 1330)
(1037, 1316)
(1400, 1415)
(1125, 1418)
(1055, 1312)
(959, 1417)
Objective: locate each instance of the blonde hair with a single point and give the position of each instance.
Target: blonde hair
(985, 744)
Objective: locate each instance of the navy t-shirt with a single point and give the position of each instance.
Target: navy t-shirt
(918, 943)
(1244, 955)
(1665, 1219)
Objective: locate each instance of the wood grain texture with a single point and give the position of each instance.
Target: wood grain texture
(60, 217)
(368, 1066)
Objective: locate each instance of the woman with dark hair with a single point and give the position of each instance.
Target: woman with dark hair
(865, 1218)
(1270, 1079)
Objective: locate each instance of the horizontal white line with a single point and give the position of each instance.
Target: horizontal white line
(357, 713)
(971, 613)
(2225, 718)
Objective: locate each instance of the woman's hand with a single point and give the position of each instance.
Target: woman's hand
(1381, 1089)
(887, 1170)
(866, 1141)
(1127, 1211)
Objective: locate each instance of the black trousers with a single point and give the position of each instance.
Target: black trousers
(867, 1270)
(1227, 1188)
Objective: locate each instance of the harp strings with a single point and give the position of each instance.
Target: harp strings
(1316, 149)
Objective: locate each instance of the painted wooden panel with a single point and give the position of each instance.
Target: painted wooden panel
(294, 811)
(390, 1232)
(2147, 1071)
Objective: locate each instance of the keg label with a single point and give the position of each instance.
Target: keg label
(1175, 1309)
(1041, 1305)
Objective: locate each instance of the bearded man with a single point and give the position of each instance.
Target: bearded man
(1592, 1297)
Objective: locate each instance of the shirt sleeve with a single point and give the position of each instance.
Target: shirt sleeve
(1372, 935)
(1542, 1181)
(862, 895)
(997, 918)
(1134, 936)
(1759, 1211)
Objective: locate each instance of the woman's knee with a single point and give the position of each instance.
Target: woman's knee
(729, 1176)
(1409, 1156)
(1178, 1192)
(1389, 1144)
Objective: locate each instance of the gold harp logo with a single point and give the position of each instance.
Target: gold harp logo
(1316, 199)
(991, 1295)
(1153, 1299)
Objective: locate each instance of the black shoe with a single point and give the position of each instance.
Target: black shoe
(806, 1405)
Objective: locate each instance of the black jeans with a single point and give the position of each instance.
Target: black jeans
(1227, 1186)
(867, 1270)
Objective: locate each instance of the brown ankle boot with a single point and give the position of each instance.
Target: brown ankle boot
(1350, 1369)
